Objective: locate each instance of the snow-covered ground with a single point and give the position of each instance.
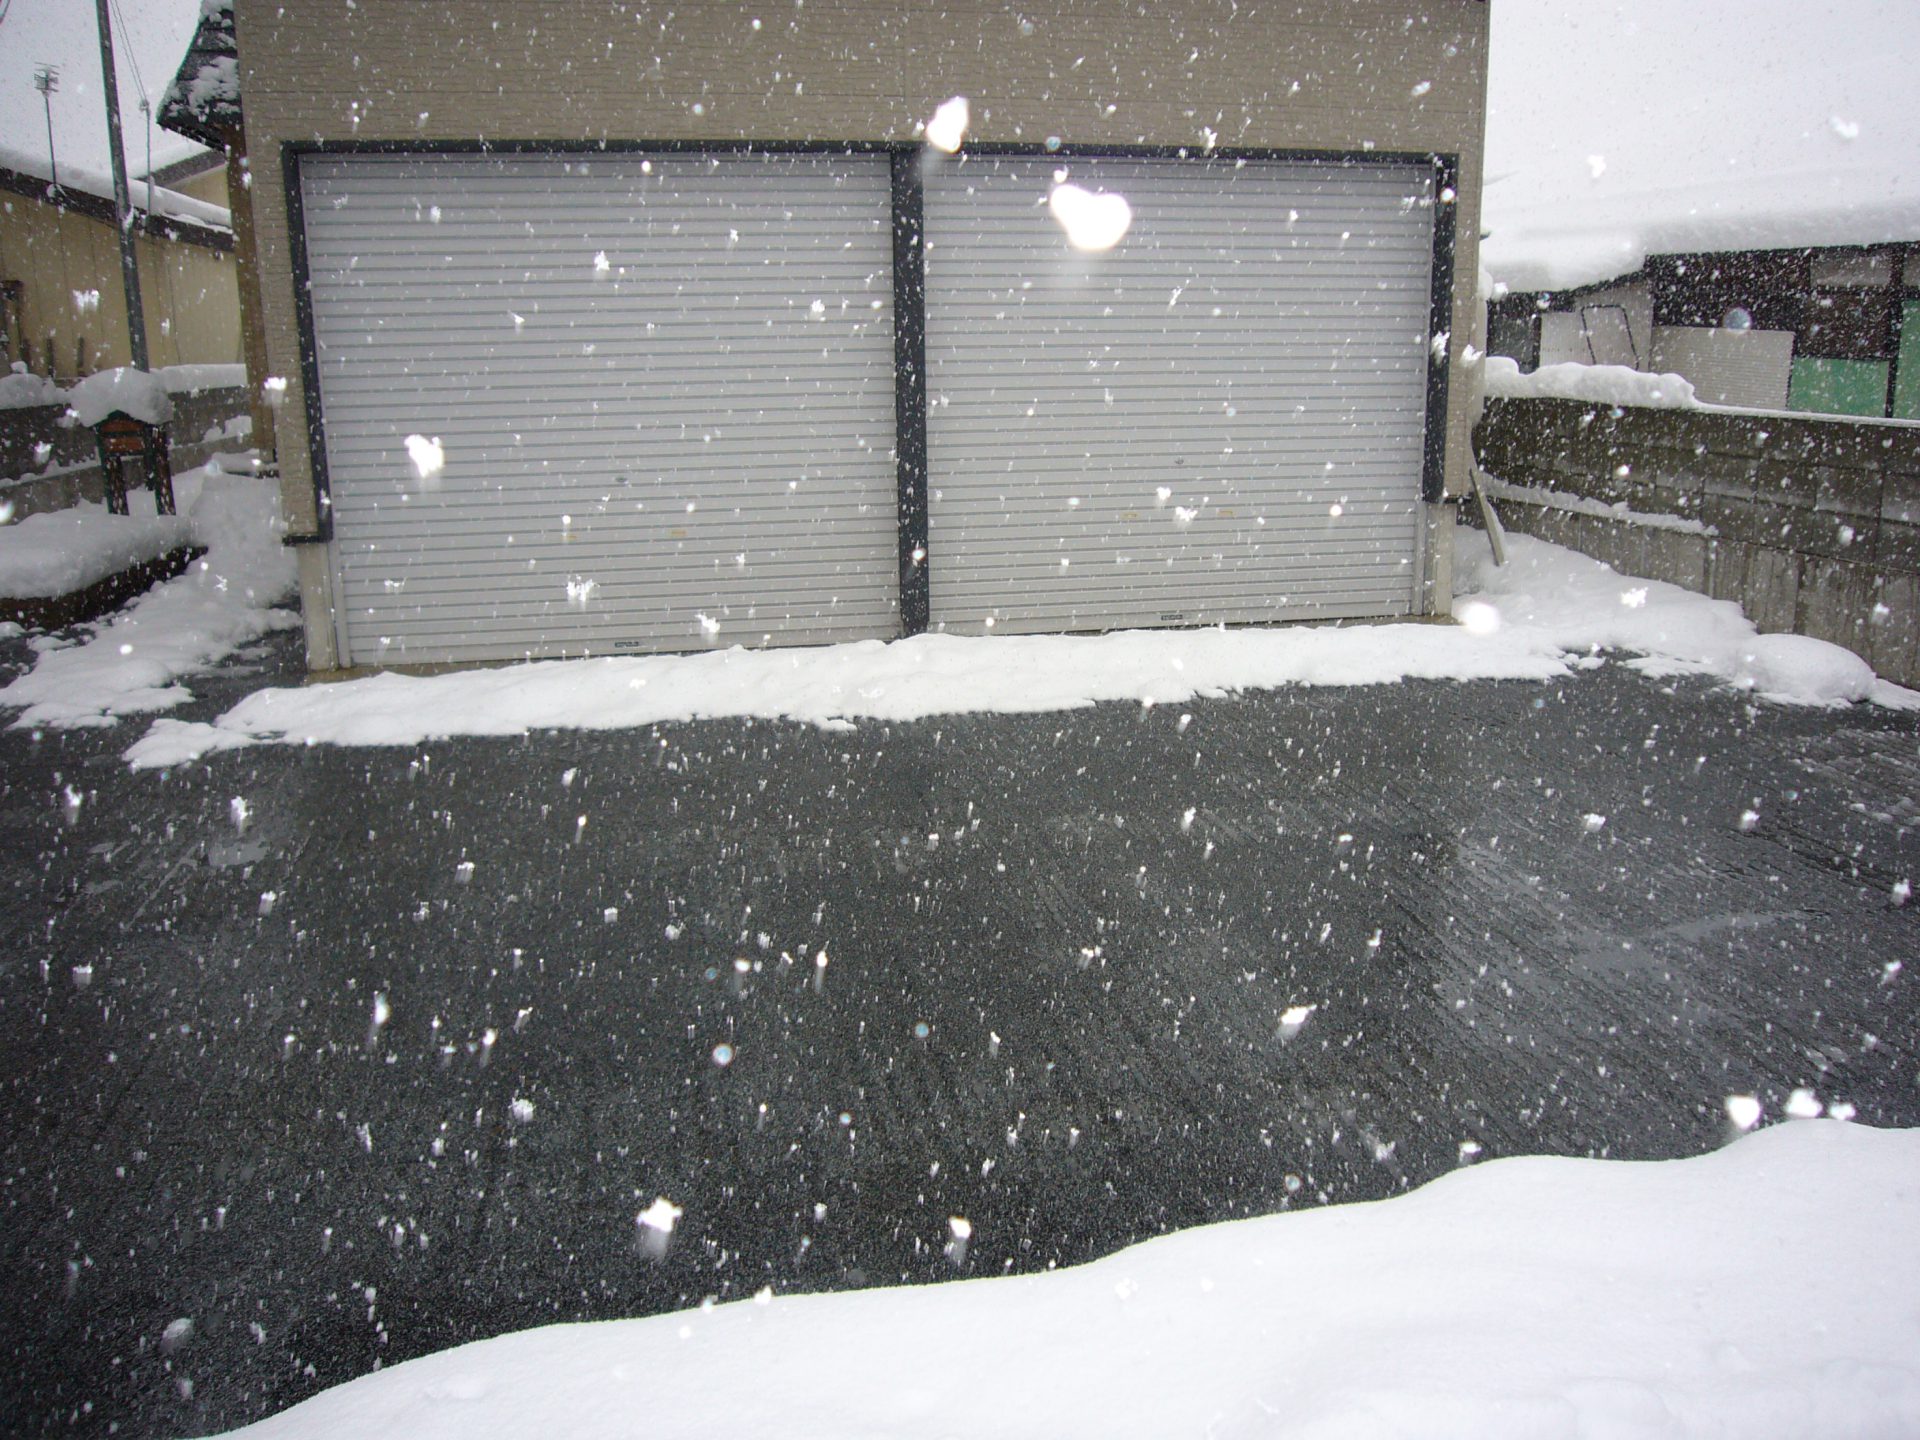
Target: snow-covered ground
(62, 551)
(1547, 613)
(133, 661)
(1769, 1289)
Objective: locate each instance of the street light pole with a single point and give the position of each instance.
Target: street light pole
(122, 200)
(46, 79)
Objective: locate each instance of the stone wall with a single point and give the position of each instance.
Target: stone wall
(1813, 524)
(74, 459)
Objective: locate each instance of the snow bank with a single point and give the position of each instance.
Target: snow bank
(68, 550)
(133, 662)
(835, 685)
(1600, 384)
(1547, 596)
(22, 388)
(138, 393)
(1766, 1289)
(1523, 622)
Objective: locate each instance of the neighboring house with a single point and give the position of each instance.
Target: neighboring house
(62, 310)
(1827, 329)
(617, 329)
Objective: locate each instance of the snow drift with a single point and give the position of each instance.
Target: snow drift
(1769, 1289)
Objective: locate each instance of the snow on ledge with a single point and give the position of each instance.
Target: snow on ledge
(1586, 505)
(63, 551)
(1599, 384)
(1763, 1289)
(22, 389)
(192, 379)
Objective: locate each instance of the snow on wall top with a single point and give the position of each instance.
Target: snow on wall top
(131, 392)
(23, 388)
(1597, 384)
(1642, 127)
(167, 204)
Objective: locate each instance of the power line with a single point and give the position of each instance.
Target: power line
(133, 55)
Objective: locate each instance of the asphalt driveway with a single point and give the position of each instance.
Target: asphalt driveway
(348, 1055)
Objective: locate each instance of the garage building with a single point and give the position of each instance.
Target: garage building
(622, 329)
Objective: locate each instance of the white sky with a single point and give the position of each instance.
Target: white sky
(1718, 123)
(62, 33)
(1710, 122)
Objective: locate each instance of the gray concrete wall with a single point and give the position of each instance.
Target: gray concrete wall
(1816, 522)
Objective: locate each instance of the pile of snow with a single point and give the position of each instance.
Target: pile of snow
(1549, 597)
(835, 685)
(68, 550)
(1766, 1289)
(1598, 384)
(1619, 131)
(22, 388)
(132, 663)
(1536, 619)
(214, 84)
(125, 390)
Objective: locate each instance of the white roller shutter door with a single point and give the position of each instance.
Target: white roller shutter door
(1219, 420)
(659, 392)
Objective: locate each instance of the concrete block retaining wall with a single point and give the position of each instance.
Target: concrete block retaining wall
(1815, 523)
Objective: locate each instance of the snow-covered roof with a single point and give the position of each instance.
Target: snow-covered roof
(203, 101)
(1643, 127)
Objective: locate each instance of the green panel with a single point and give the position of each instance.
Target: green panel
(1838, 387)
(1906, 384)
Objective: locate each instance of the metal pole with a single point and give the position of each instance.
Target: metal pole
(46, 79)
(122, 201)
(146, 114)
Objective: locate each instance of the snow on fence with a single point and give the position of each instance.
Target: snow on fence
(1813, 525)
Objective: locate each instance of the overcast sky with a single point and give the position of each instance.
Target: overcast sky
(150, 37)
(1618, 123)
(1719, 122)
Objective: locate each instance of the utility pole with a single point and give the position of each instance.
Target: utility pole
(122, 200)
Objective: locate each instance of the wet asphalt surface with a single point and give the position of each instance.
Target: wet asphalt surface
(390, 1054)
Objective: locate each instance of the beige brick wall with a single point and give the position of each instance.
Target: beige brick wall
(1311, 74)
(188, 294)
